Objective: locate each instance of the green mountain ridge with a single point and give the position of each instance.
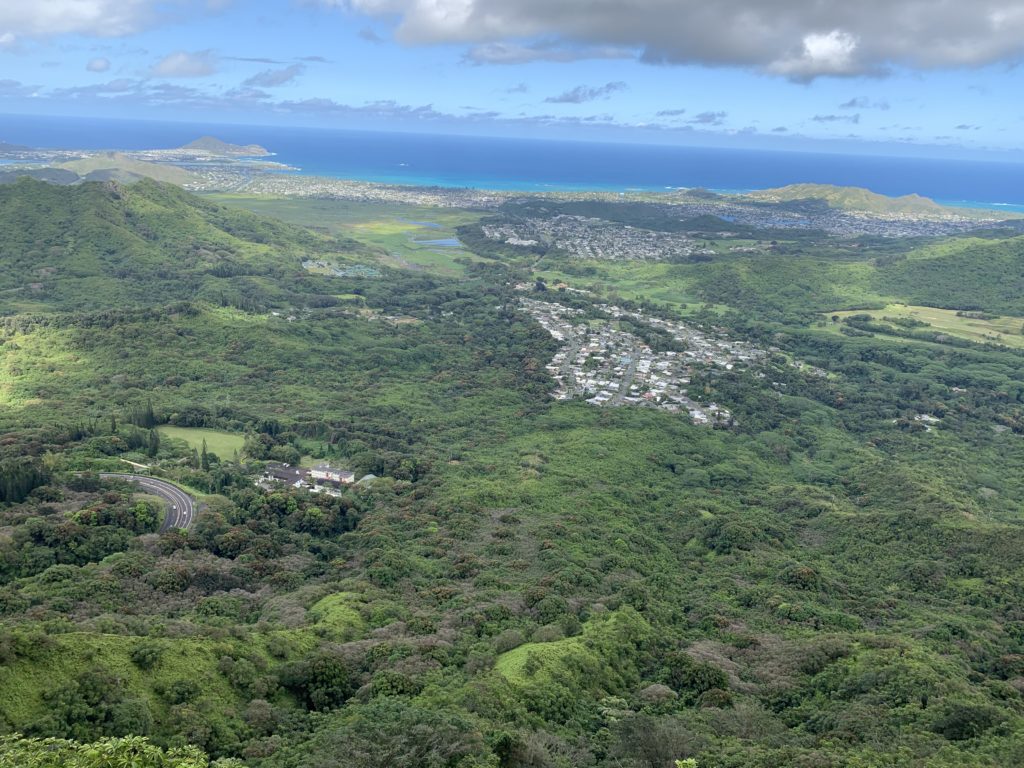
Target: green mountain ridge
(851, 199)
(120, 167)
(98, 245)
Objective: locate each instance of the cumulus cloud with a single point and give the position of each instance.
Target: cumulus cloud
(98, 65)
(836, 119)
(15, 88)
(255, 59)
(185, 64)
(100, 18)
(708, 118)
(584, 93)
(791, 38)
(862, 103)
(545, 50)
(671, 113)
(271, 78)
(831, 53)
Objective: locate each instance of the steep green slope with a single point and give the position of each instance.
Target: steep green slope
(109, 246)
(531, 583)
(981, 276)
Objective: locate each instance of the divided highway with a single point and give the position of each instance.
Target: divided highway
(180, 509)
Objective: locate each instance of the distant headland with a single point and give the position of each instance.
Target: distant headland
(215, 146)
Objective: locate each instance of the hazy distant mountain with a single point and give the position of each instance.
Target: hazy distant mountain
(115, 166)
(5, 147)
(50, 175)
(217, 147)
(850, 199)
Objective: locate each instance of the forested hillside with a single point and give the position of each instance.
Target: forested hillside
(827, 580)
(108, 246)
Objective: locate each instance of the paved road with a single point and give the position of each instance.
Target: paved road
(627, 377)
(180, 509)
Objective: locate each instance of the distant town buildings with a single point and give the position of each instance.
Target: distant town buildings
(608, 366)
(590, 238)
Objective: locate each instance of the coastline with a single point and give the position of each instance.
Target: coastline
(511, 186)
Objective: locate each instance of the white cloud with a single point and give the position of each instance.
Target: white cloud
(7, 40)
(272, 78)
(185, 64)
(101, 18)
(792, 38)
(547, 50)
(98, 65)
(830, 54)
(582, 93)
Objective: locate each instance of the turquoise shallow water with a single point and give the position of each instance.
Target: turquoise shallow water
(531, 165)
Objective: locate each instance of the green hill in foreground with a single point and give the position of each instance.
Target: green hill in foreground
(831, 582)
(108, 245)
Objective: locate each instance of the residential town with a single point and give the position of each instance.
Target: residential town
(582, 237)
(589, 238)
(611, 367)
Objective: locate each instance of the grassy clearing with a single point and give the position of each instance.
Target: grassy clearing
(1000, 330)
(224, 444)
(389, 230)
(540, 660)
(23, 683)
(628, 279)
(340, 216)
(338, 616)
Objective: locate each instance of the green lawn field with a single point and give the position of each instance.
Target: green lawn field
(1000, 330)
(224, 444)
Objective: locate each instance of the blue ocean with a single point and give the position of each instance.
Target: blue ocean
(538, 165)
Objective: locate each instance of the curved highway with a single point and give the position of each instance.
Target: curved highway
(180, 509)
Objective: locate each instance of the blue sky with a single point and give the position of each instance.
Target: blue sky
(792, 74)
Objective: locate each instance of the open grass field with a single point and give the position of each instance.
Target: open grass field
(1001, 330)
(629, 279)
(224, 444)
(394, 233)
(340, 215)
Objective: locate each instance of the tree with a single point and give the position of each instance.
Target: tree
(390, 732)
(649, 742)
(153, 443)
(130, 752)
(204, 457)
